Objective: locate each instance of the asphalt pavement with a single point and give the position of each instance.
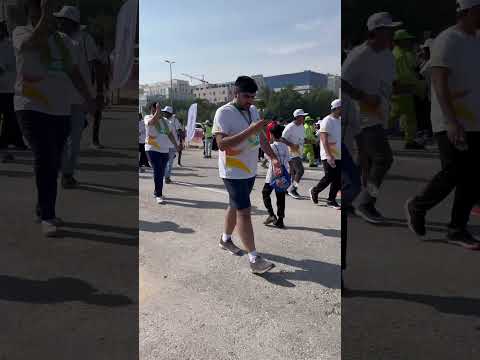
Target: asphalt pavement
(199, 302)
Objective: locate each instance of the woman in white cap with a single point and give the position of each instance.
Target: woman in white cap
(159, 139)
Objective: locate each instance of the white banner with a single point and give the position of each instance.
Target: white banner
(192, 121)
(124, 53)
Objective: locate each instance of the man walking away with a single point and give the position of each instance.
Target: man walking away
(294, 137)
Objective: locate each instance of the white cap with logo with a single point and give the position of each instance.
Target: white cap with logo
(70, 13)
(336, 104)
(168, 109)
(466, 4)
(299, 112)
(382, 20)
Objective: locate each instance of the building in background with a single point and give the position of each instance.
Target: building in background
(214, 93)
(181, 90)
(334, 84)
(303, 82)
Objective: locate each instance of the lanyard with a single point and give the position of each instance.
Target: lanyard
(249, 120)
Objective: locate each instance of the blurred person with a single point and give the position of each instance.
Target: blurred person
(281, 151)
(208, 139)
(43, 99)
(142, 134)
(175, 125)
(456, 124)
(159, 140)
(368, 76)
(10, 133)
(101, 78)
(310, 141)
(239, 131)
(330, 134)
(68, 22)
(294, 137)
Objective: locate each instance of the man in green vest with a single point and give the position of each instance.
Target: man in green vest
(310, 141)
(409, 85)
(208, 139)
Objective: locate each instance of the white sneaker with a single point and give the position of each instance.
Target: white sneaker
(49, 228)
(160, 200)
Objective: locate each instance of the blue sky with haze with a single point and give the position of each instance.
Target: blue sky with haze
(224, 39)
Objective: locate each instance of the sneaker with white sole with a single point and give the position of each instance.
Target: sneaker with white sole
(160, 200)
(49, 228)
(261, 266)
(293, 193)
(313, 195)
(229, 246)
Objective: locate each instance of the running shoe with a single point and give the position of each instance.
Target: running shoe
(313, 195)
(229, 246)
(463, 238)
(261, 266)
(415, 219)
(270, 219)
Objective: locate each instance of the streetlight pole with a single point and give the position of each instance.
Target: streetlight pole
(170, 62)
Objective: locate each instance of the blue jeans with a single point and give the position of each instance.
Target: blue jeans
(208, 146)
(171, 156)
(159, 163)
(71, 152)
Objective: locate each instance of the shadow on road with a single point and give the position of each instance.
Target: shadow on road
(16, 174)
(130, 235)
(106, 189)
(445, 304)
(325, 232)
(213, 205)
(316, 271)
(163, 226)
(57, 290)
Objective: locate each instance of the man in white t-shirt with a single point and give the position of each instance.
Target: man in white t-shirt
(294, 137)
(368, 76)
(68, 21)
(173, 122)
(10, 133)
(455, 119)
(239, 132)
(331, 154)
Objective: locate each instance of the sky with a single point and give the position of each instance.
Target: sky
(222, 39)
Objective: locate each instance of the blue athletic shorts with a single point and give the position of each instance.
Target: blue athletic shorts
(239, 192)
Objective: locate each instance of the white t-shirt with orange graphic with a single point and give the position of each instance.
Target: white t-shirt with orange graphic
(239, 162)
(332, 127)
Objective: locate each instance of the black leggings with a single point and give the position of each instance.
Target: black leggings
(266, 192)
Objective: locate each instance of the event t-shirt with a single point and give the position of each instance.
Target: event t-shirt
(281, 150)
(296, 135)
(332, 127)
(175, 126)
(458, 52)
(239, 162)
(373, 73)
(86, 51)
(7, 67)
(42, 83)
(157, 135)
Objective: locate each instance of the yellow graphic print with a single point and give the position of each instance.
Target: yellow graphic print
(30, 91)
(151, 140)
(333, 150)
(370, 110)
(232, 162)
(461, 110)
